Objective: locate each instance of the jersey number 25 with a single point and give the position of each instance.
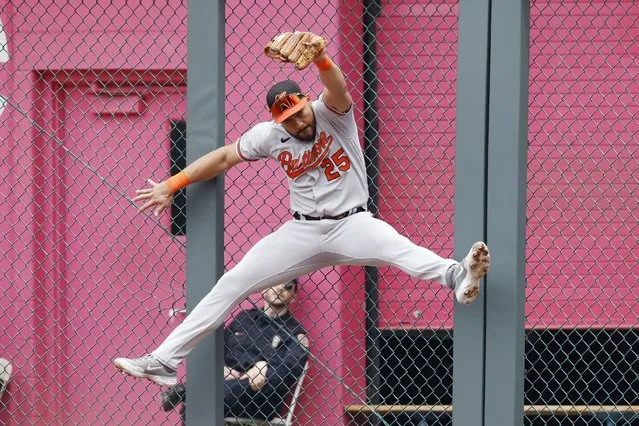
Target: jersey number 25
(338, 160)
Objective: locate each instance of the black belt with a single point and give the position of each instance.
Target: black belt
(352, 211)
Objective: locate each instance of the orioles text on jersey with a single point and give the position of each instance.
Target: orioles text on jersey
(307, 160)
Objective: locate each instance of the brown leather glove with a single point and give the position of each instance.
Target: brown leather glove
(299, 48)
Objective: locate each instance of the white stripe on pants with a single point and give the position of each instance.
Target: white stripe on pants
(298, 248)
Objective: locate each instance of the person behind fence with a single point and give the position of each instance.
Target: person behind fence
(264, 355)
(317, 145)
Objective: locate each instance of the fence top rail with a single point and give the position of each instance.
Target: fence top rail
(565, 409)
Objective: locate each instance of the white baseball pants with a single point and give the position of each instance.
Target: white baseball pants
(300, 247)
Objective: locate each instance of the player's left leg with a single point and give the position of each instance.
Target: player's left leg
(363, 240)
(293, 250)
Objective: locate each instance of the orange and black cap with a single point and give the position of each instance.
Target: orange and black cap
(285, 99)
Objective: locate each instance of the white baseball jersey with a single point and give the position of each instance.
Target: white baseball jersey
(327, 176)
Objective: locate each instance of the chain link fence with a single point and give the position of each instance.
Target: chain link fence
(341, 308)
(92, 91)
(581, 311)
(92, 103)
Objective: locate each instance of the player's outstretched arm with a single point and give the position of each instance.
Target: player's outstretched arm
(335, 93)
(303, 48)
(160, 195)
(212, 164)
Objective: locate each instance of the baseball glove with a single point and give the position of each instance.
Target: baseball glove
(299, 48)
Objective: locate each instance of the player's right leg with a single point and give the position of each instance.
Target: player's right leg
(363, 240)
(289, 252)
(466, 275)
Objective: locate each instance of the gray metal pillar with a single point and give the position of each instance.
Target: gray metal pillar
(205, 201)
(507, 148)
(470, 203)
(371, 11)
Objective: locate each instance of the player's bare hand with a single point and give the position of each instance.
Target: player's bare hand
(157, 197)
(256, 375)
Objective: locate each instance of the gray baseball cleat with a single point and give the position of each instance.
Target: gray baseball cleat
(149, 368)
(468, 273)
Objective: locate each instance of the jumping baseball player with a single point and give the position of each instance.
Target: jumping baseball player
(317, 145)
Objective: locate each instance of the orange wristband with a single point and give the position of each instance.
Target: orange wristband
(177, 182)
(324, 64)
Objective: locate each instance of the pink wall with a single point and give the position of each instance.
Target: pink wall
(331, 300)
(89, 278)
(86, 279)
(417, 73)
(92, 280)
(583, 261)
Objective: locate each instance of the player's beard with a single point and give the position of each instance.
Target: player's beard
(307, 134)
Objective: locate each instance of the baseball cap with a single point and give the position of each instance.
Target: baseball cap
(285, 99)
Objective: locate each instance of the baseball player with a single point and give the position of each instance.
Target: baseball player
(317, 145)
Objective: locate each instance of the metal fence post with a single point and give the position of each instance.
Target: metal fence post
(470, 203)
(371, 150)
(205, 212)
(506, 214)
